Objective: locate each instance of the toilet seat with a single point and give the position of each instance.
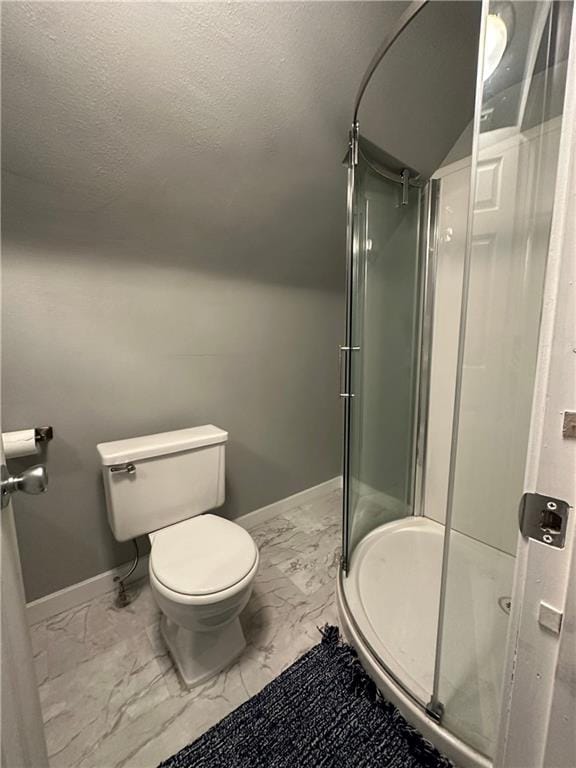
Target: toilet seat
(204, 556)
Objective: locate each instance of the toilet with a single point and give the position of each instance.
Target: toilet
(201, 566)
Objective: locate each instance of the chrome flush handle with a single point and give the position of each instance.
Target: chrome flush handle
(128, 467)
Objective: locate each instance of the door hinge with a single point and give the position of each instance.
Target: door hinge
(354, 144)
(543, 518)
(405, 185)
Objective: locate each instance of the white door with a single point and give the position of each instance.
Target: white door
(501, 279)
(22, 732)
(494, 280)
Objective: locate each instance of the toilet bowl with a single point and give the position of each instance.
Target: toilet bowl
(201, 566)
(201, 574)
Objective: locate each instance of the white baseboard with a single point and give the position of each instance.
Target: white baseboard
(258, 516)
(76, 594)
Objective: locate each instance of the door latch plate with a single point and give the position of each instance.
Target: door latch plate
(550, 618)
(544, 519)
(569, 424)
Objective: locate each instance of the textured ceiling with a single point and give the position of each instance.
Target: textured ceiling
(211, 132)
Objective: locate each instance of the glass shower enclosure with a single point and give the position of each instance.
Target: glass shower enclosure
(382, 359)
(445, 280)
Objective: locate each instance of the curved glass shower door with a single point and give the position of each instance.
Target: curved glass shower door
(518, 136)
(383, 336)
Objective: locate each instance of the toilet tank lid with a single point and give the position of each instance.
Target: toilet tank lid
(149, 446)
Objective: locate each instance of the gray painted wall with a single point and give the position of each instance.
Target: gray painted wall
(422, 95)
(173, 241)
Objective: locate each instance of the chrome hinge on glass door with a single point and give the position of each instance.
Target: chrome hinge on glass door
(342, 369)
(354, 134)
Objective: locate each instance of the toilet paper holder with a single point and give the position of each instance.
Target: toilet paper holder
(43, 434)
(26, 442)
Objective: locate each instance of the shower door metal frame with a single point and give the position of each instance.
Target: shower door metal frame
(427, 244)
(345, 351)
(408, 16)
(435, 707)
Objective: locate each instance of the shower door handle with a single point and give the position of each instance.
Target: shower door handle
(341, 380)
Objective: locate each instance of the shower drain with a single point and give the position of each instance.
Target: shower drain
(505, 604)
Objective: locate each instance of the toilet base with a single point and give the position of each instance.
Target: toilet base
(198, 656)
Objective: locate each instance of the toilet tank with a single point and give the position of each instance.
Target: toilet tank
(157, 480)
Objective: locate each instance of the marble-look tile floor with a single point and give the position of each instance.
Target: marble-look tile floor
(110, 696)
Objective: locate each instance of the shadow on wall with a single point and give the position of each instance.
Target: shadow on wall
(286, 236)
(174, 242)
(198, 134)
(138, 141)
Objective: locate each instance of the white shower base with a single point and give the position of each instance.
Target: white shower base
(390, 614)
